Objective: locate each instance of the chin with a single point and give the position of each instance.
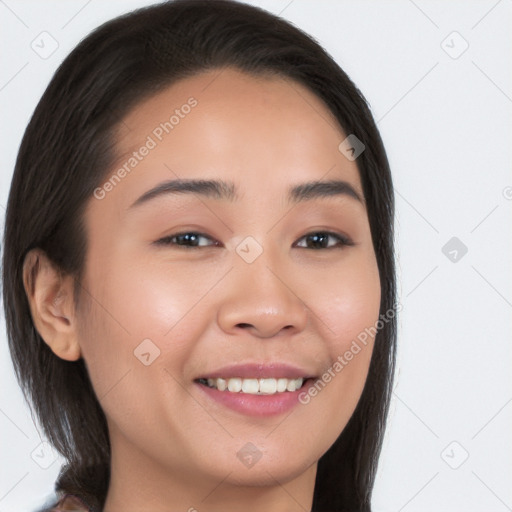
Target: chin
(265, 469)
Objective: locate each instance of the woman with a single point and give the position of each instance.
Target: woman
(199, 279)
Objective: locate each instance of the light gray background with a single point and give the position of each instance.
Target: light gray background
(445, 117)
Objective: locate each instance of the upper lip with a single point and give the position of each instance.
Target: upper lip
(259, 371)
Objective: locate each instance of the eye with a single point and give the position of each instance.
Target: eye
(314, 240)
(186, 239)
(319, 240)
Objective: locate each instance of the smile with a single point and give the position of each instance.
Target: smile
(254, 386)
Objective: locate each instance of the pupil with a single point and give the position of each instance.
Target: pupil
(186, 237)
(318, 239)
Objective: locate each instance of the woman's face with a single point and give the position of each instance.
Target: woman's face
(260, 288)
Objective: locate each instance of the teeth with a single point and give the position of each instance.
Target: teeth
(251, 386)
(281, 385)
(255, 386)
(291, 386)
(235, 385)
(268, 386)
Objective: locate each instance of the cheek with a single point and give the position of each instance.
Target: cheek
(347, 301)
(347, 308)
(156, 298)
(136, 302)
(137, 309)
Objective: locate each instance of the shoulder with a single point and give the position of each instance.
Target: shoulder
(69, 503)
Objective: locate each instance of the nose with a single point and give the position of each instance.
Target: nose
(260, 297)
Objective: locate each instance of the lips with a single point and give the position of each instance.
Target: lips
(259, 371)
(257, 390)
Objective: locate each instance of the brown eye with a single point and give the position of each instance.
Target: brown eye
(320, 240)
(186, 239)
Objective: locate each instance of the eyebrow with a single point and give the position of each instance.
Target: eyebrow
(223, 190)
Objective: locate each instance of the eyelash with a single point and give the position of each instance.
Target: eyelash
(342, 240)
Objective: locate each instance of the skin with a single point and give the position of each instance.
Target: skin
(173, 448)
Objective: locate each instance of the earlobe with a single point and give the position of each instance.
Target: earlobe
(50, 296)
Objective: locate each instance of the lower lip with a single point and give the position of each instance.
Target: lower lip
(257, 405)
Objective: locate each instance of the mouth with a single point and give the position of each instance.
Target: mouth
(254, 386)
(256, 389)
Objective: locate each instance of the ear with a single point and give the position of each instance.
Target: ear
(50, 295)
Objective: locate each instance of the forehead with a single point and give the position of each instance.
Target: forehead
(230, 90)
(260, 132)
